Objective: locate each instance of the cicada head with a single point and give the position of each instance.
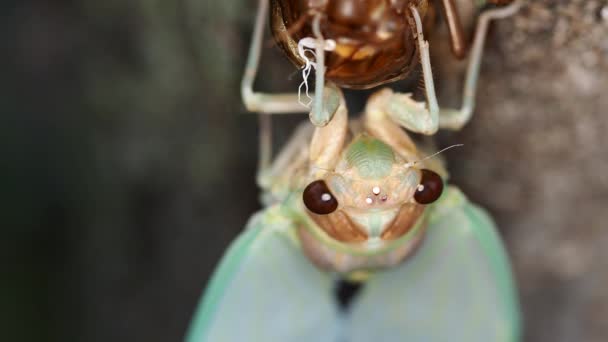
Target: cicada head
(373, 198)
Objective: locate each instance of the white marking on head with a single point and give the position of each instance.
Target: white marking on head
(376, 190)
(369, 200)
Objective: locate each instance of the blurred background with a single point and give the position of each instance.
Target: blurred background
(128, 160)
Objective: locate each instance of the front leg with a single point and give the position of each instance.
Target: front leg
(289, 102)
(406, 111)
(325, 146)
(327, 142)
(419, 118)
(381, 125)
(261, 102)
(455, 119)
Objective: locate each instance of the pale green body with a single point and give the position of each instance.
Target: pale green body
(457, 287)
(270, 286)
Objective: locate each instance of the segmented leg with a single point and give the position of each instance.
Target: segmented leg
(282, 103)
(457, 42)
(456, 119)
(260, 102)
(321, 148)
(326, 146)
(419, 118)
(267, 104)
(327, 142)
(319, 116)
(407, 112)
(379, 124)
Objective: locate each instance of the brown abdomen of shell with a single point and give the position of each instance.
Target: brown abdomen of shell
(374, 40)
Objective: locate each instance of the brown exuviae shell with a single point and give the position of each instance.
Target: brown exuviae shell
(375, 43)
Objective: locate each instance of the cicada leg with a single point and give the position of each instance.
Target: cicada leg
(457, 41)
(306, 150)
(402, 108)
(452, 18)
(287, 102)
(455, 119)
(265, 289)
(379, 124)
(268, 104)
(331, 102)
(260, 102)
(457, 287)
(426, 119)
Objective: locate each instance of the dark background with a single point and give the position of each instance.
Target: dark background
(128, 160)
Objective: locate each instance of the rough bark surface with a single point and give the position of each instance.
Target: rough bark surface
(535, 156)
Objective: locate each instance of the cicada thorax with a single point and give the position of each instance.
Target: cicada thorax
(374, 39)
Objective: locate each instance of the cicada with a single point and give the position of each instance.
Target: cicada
(361, 44)
(359, 200)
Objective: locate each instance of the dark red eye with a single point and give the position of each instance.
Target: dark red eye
(430, 187)
(319, 199)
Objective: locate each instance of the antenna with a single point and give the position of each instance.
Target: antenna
(413, 163)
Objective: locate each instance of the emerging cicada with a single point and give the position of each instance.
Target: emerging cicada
(359, 201)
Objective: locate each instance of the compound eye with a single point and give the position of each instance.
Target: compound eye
(319, 199)
(430, 187)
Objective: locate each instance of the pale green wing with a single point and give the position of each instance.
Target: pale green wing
(266, 290)
(457, 287)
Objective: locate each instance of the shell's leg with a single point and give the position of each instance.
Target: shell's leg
(457, 41)
(457, 287)
(281, 103)
(455, 119)
(265, 289)
(452, 18)
(325, 147)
